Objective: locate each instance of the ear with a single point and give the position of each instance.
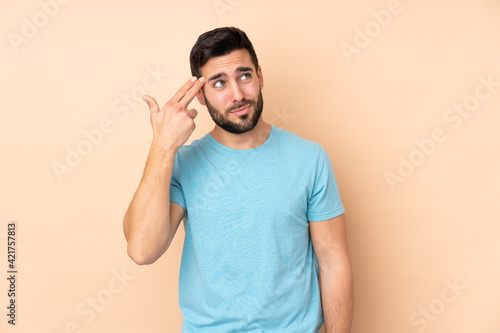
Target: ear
(200, 97)
(261, 77)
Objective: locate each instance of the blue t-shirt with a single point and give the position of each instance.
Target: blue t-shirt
(248, 264)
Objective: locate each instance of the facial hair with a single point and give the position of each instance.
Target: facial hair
(246, 122)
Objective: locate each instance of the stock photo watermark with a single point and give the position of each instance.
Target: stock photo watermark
(363, 36)
(12, 272)
(94, 137)
(281, 118)
(454, 117)
(430, 312)
(221, 7)
(89, 309)
(30, 26)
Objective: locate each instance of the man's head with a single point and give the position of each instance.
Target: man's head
(219, 42)
(232, 94)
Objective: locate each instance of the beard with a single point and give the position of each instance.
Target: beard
(246, 122)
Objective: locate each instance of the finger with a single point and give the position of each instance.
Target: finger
(153, 105)
(191, 93)
(192, 113)
(182, 91)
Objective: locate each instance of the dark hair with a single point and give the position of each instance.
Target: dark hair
(216, 43)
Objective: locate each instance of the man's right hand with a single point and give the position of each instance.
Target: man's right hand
(174, 123)
(150, 222)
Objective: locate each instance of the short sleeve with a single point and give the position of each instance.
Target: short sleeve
(324, 202)
(176, 193)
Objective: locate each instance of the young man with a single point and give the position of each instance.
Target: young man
(265, 247)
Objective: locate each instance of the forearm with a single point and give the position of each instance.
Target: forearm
(147, 221)
(337, 298)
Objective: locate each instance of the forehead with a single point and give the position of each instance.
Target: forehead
(227, 63)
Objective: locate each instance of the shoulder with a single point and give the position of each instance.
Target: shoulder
(298, 144)
(192, 155)
(194, 148)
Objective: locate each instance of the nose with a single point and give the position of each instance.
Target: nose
(237, 93)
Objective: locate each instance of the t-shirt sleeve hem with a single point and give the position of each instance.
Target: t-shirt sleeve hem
(178, 201)
(326, 216)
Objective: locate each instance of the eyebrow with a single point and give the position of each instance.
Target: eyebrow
(223, 74)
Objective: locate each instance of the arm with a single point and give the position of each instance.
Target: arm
(329, 242)
(150, 221)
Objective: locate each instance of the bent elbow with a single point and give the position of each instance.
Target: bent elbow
(139, 257)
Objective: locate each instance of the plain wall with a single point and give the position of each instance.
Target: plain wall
(397, 93)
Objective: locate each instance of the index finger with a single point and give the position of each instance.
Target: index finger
(179, 95)
(191, 93)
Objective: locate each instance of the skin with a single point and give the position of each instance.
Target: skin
(227, 82)
(149, 225)
(329, 240)
(232, 88)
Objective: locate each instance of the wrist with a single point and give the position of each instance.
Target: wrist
(162, 153)
(162, 149)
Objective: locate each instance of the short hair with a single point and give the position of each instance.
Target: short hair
(216, 43)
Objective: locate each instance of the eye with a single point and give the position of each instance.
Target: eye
(246, 76)
(218, 84)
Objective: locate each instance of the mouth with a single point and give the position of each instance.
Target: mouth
(241, 111)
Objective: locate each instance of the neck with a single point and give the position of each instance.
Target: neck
(248, 140)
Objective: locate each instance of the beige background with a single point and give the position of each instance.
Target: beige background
(424, 242)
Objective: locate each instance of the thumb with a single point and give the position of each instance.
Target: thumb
(153, 105)
(192, 113)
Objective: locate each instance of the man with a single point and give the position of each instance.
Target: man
(265, 247)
